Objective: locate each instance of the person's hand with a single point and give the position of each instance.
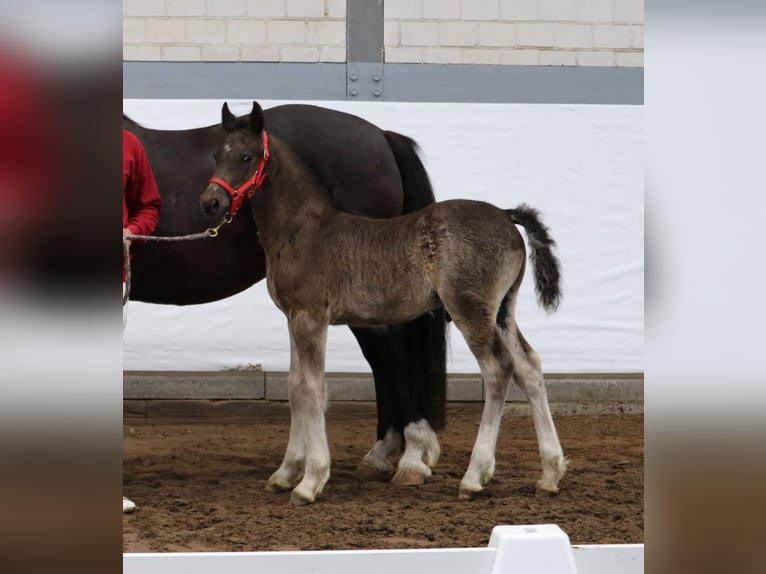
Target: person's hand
(126, 231)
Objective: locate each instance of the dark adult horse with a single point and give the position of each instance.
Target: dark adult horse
(371, 172)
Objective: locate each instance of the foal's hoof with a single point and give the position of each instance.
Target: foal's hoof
(299, 499)
(408, 478)
(275, 487)
(465, 494)
(544, 492)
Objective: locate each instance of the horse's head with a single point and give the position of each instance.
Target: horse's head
(242, 153)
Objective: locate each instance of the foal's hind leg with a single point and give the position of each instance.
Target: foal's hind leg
(528, 375)
(496, 364)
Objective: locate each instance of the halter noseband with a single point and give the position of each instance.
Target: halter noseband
(247, 189)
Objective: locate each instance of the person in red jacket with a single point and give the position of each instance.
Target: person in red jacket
(141, 204)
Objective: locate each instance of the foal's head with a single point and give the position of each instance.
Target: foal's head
(236, 161)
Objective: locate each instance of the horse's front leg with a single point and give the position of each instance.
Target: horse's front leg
(308, 398)
(291, 469)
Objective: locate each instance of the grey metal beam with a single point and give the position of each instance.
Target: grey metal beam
(403, 82)
(364, 31)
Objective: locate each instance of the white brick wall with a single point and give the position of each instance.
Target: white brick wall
(515, 32)
(234, 30)
(506, 32)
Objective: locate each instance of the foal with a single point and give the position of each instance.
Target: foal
(327, 267)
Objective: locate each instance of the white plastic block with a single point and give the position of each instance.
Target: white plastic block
(527, 549)
(638, 37)
(391, 33)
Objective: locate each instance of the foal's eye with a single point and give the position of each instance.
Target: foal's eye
(246, 157)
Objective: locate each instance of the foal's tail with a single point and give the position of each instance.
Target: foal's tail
(546, 265)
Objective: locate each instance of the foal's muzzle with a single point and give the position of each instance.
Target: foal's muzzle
(214, 201)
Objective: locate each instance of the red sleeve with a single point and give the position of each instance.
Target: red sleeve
(141, 198)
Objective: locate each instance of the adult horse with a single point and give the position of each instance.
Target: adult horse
(371, 172)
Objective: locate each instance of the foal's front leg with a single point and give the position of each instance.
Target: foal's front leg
(291, 469)
(308, 397)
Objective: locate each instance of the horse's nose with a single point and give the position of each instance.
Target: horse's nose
(211, 207)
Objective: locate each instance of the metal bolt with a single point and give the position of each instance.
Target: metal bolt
(376, 92)
(354, 76)
(354, 91)
(376, 77)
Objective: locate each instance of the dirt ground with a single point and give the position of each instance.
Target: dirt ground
(199, 483)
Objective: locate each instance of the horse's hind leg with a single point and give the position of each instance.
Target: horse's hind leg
(381, 459)
(528, 375)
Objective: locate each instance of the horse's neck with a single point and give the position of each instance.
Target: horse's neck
(292, 196)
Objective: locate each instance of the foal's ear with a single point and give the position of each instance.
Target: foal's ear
(228, 119)
(256, 118)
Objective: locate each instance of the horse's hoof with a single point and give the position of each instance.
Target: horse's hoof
(544, 493)
(368, 472)
(299, 499)
(277, 486)
(408, 478)
(465, 494)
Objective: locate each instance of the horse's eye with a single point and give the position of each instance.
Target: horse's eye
(246, 157)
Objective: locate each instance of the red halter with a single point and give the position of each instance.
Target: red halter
(247, 189)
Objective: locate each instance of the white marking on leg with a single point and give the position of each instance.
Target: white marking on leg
(421, 448)
(529, 377)
(384, 452)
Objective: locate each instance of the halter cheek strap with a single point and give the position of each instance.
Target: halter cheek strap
(247, 189)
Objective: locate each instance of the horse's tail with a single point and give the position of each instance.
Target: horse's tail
(426, 335)
(546, 265)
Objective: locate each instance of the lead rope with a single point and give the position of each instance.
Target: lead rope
(209, 232)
